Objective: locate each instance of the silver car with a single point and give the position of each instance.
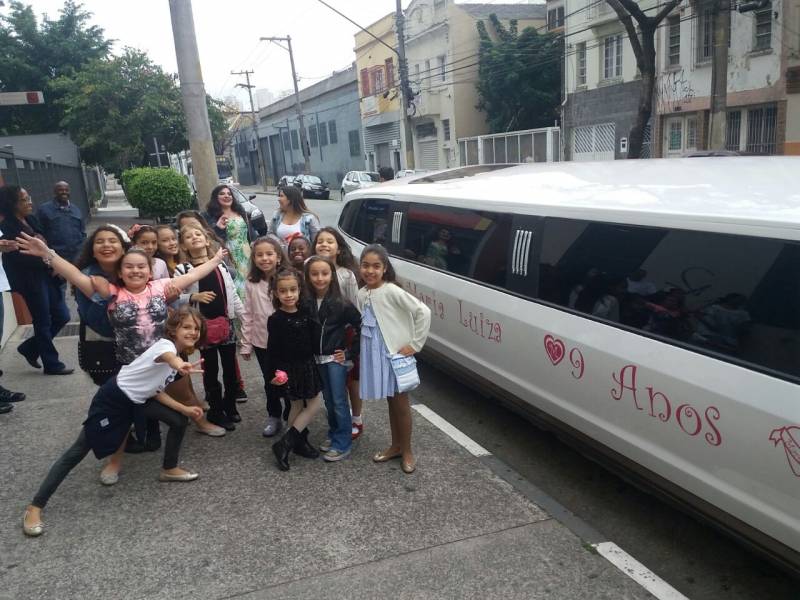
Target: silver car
(355, 180)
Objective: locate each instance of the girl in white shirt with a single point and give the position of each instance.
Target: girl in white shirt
(393, 322)
(136, 391)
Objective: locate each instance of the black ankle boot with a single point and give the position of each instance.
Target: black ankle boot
(229, 402)
(303, 448)
(216, 412)
(283, 447)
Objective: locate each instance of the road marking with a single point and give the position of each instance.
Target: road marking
(608, 550)
(460, 438)
(638, 572)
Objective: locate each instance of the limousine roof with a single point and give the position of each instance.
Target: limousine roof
(752, 195)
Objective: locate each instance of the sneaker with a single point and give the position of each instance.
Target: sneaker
(335, 455)
(272, 426)
(358, 429)
(9, 396)
(241, 396)
(325, 446)
(6, 407)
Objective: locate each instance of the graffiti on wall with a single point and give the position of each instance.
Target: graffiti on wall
(672, 90)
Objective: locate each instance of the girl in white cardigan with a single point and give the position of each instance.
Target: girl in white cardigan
(215, 295)
(393, 322)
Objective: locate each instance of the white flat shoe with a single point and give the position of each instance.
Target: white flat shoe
(108, 478)
(184, 477)
(211, 431)
(34, 530)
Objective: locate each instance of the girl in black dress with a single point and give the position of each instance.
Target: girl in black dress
(290, 352)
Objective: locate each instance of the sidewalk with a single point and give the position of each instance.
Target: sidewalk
(352, 529)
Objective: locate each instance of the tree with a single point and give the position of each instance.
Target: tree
(34, 55)
(115, 106)
(218, 120)
(644, 49)
(518, 77)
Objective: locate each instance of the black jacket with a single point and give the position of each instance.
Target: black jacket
(19, 266)
(330, 327)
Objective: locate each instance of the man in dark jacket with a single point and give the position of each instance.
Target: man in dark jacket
(62, 223)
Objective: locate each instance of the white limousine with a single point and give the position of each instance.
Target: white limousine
(649, 311)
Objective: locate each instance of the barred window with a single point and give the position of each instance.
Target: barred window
(355, 142)
(332, 132)
(733, 130)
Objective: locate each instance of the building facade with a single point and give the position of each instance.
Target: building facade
(442, 52)
(602, 85)
(333, 129)
(381, 97)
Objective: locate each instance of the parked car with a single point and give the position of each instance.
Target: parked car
(408, 172)
(285, 181)
(312, 186)
(257, 219)
(355, 180)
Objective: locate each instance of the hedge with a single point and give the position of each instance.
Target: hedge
(156, 192)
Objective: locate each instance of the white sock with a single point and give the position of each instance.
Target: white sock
(357, 420)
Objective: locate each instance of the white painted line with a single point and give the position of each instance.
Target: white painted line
(459, 437)
(638, 572)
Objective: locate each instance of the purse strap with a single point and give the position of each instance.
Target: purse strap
(222, 287)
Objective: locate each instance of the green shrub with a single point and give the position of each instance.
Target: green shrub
(127, 177)
(157, 192)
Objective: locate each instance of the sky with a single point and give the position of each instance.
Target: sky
(228, 33)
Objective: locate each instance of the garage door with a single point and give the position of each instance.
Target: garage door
(428, 155)
(594, 142)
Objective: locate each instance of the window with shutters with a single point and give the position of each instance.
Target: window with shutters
(295, 140)
(446, 129)
(322, 131)
(365, 89)
(581, 57)
(442, 71)
(612, 57)
(763, 28)
(285, 139)
(312, 136)
(334, 137)
(389, 65)
(674, 41)
(355, 142)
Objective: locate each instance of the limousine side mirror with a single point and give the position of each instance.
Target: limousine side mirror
(251, 197)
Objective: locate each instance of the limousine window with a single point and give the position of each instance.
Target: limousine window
(734, 295)
(465, 242)
(372, 223)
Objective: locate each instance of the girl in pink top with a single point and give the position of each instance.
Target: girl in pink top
(146, 238)
(266, 258)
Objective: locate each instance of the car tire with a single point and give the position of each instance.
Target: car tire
(326, 196)
(341, 194)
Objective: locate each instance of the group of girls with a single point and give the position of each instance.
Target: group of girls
(304, 318)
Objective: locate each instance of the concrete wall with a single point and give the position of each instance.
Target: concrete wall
(58, 146)
(333, 99)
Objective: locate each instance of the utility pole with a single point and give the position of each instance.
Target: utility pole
(405, 86)
(298, 106)
(262, 171)
(719, 74)
(193, 93)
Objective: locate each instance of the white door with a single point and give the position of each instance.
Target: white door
(680, 135)
(594, 142)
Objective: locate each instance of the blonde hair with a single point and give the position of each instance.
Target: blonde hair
(183, 254)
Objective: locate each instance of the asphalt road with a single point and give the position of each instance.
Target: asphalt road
(694, 558)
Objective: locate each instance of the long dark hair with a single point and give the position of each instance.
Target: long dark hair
(389, 275)
(295, 198)
(214, 209)
(9, 196)
(255, 275)
(345, 257)
(287, 274)
(86, 256)
(334, 292)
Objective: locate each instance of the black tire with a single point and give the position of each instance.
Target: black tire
(326, 196)
(341, 194)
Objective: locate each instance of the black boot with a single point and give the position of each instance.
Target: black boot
(283, 447)
(216, 412)
(303, 448)
(230, 407)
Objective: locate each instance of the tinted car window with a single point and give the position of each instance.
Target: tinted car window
(465, 242)
(372, 223)
(369, 177)
(734, 295)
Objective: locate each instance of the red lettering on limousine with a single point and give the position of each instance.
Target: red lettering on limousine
(436, 306)
(686, 416)
(480, 325)
(790, 438)
(578, 366)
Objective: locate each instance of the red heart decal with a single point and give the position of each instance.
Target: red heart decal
(555, 349)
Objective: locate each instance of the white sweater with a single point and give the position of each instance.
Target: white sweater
(403, 319)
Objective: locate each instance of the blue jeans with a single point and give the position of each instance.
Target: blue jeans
(334, 391)
(44, 296)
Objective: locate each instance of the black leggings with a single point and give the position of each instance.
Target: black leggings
(274, 407)
(80, 448)
(227, 356)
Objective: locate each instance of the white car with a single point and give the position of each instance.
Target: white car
(355, 180)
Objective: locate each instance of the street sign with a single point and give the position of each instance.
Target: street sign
(16, 98)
